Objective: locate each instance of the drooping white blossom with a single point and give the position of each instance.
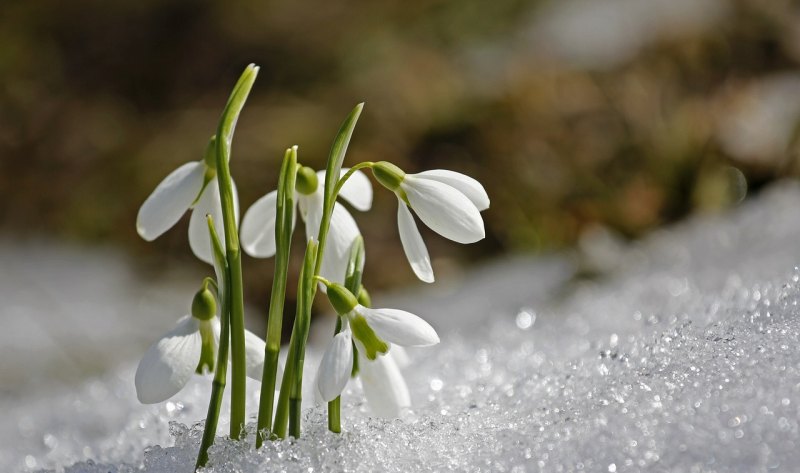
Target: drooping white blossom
(383, 383)
(448, 202)
(191, 186)
(168, 363)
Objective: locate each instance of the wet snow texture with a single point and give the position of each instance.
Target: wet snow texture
(685, 358)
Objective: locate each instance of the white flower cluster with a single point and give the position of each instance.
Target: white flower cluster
(447, 202)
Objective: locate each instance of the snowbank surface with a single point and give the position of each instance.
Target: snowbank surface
(684, 358)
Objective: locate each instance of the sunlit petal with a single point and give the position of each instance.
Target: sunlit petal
(413, 245)
(254, 355)
(170, 200)
(258, 227)
(310, 207)
(209, 204)
(466, 185)
(336, 366)
(384, 387)
(399, 326)
(445, 210)
(357, 190)
(169, 363)
(343, 231)
(400, 356)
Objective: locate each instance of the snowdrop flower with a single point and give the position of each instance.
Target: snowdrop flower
(448, 202)
(190, 347)
(191, 186)
(258, 224)
(384, 386)
(373, 331)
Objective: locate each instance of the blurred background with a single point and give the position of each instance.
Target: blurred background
(587, 120)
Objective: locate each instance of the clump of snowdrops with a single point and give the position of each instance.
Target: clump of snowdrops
(367, 341)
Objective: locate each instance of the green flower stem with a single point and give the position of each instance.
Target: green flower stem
(283, 237)
(334, 407)
(352, 281)
(227, 124)
(350, 172)
(218, 384)
(290, 398)
(291, 386)
(281, 421)
(308, 288)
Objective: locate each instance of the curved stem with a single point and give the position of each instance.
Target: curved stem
(210, 282)
(225, 131)
(291, 392)
(220, 372)
(349, 173)
(290, 398)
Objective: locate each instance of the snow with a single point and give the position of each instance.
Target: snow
(683, 358)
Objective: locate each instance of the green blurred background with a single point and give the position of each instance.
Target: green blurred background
(577, 115)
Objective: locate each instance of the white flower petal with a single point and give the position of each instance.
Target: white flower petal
(343, 232)
(254, 355)
(384, 387)
(209, 204)
(310, 207)
(170, 200)
(216, 329)
(413, 245)
(258, 227)
(399, 326)
(357, 190)
(318, 401)
(400, 356)
(466, 185)
(336, 366)
(169, 363)
(445, 210)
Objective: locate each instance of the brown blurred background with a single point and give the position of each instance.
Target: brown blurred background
(623, 115)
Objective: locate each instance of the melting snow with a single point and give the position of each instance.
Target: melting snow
(685, 358)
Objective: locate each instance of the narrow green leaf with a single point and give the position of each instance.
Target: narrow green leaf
(339, 149)
(233, 108)
(283, 237)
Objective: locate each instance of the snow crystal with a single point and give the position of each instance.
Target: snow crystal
(684, 358)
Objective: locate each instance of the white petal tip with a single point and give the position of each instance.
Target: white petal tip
(425, 277)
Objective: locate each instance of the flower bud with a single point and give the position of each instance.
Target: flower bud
(307, 181)
(342, 300)
(204, 305)
(389, 175)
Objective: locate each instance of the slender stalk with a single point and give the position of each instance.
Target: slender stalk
(220, 372)
(283, 238)
(282, 411)
(227, 124)
(290, 398)
(291, 392)
(308, 287)
(350, 172)
(335, 406)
